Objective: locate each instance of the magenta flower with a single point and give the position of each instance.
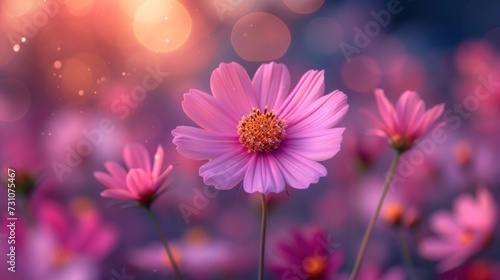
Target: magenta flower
(462, 233)
(307, 256)
(403, 125)
(256, 132)
(142, 183)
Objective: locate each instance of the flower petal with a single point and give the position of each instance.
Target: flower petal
(298, 171)
(136, 156)
(410, 108)
(272, 84)
(159, 183)
(231, 85)
(387, 111)
(436, 249)
(139, 182)
(310, 87)
(199, 144)
(443, 223)
(316, 145)
(226, 171)
(120, 194)
(116, 171)
(428, 118)
(157, 163)
(108, 181)
(263, 175)
(208, 112)
(325, 112)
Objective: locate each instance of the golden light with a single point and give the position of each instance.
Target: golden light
(303, 6)
(79, 7)
(260, 37)
(16, 8)
(162, 26)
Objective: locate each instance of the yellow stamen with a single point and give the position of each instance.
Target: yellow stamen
(261, 131)
(313, 266)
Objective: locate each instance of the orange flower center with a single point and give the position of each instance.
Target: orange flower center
(261, 131)
(466, 237)
(61, 256)
(393, 213)
(313, 266)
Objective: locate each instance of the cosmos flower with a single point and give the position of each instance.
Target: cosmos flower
(257, 132)
(307, 256)
(142, 182)
(406, 123)
(462, 233)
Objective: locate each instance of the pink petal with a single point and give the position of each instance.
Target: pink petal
(298, 171)
(162, 178)
(119, 194)
(199, 144)
(487, 208)
(466, 211)
(210, 113)
(410, 108)
(325, 112)
(443, 223)
(387, 111)
(263, 175)
(108, 181)
(138, 181)
(102, 241)
(136, 156)
(226, 171)
(436, 249)
(272, 84)
(231, 85)
(452, 261)
(157, 163)
(316, 145)
(310, 87)
(428, 118)
(117, 172)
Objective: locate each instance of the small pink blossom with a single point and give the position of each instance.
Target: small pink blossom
(462, 233)
(256, 131)
(142, 182)
(406, 123)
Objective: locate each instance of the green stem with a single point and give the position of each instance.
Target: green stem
(164, 241)
(373, 221)
(405, 252)
(262, 237)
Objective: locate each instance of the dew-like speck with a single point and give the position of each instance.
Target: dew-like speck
(16, 48)
(81, 92)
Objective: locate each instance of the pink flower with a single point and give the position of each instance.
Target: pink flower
(403, 125)
(462, 233)
(142, 183)
(256, 132)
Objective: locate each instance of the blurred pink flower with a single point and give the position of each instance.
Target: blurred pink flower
(256, 132)
(308, 256)
(462, 233)
(142, 183)
(198, 255)
(405, 123)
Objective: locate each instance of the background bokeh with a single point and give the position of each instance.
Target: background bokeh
(119, 68)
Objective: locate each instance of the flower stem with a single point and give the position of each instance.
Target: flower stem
(262, 237)
(406, 253)
(373, 221)
(164, 241)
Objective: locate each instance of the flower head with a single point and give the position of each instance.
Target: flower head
(255, 131)
(310, 256)
(462, 233)
(406, 123)
(142, 182)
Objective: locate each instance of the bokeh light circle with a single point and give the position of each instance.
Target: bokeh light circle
(260, 37)
(303, 6)
(362, 74)
(162, 26)
(79, 7)
(16, 8)
(15, 100)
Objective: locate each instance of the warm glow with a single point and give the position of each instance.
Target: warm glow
(79, 7)
(162, 26)
(303, 6)
(16, 8)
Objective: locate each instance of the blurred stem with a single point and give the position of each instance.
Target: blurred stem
(164, 241)
(373, 221)
(405, 252)
(262, 237)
